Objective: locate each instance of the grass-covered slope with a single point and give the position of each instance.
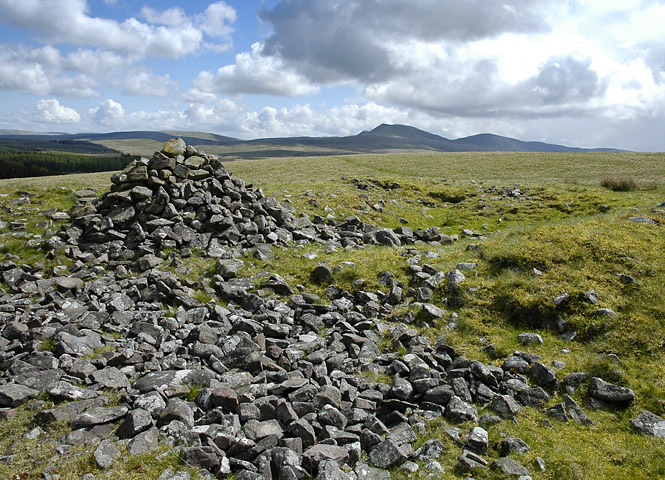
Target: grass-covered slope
(538, 226)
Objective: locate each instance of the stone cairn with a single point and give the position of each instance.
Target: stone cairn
(284, 389)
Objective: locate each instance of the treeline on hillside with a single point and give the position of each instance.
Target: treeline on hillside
(14, 144)
(33, 164)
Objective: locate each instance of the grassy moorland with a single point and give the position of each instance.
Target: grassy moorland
(548, 212)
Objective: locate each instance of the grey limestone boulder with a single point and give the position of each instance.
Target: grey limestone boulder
(174, 475)
(513, 445)
(575, 411)
(533, 397)
(106, 453)
(508, 466)
(313, 456)
(478, 440)
(228, 268)
(98, 416)
(322, 273)
(174, 147)
(454, 277)
(144, 442)
(429, 312)
(255, 430)
(386, 236)
(530, 339)
(329, 470)
(110, 377)
(458, 411)
(77, 345)
(542, 375)
(176, 409)
(432, 448)
(649, 424)
(610, 393)
(204, 456)
(387, 454)
(505, 406)
(366, 472)
(136, 421)
(470, 461)
(12, 395)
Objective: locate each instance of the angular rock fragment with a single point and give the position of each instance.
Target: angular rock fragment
(505, 406)
(610, 393)
(387, 454)
(478, 440)
(12, 395)
(98, 416)
(144, 442)
(106, 453)
(508, 466)
(317, 454)
(458, 411)
(649, 424)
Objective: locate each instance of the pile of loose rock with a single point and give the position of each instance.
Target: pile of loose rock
(184, 199)
(272, 386)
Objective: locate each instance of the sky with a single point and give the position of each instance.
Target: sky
(587, 73)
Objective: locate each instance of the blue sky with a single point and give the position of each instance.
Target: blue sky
(575, 72)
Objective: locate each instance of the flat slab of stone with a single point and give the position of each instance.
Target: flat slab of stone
(508, 466)
(160, 380)
(40, 380)
(67, 391)
(98, 416)
(12, 395)
(65, 284)
(610, 393)
(110, 377)
(68, 411)
(255, 430)
(365, 472)
(77, 346)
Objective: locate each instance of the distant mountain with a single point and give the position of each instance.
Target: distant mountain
(21, 133)
(188, 137)
(497, 143)
(382, 139)
(403, 137)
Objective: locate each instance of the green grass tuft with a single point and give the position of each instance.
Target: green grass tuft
(619, 184)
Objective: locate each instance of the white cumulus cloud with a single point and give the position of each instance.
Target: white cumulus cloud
(50, 111)
(217, 19)
(172, 16)
(148, 84)
(169, 33)
(109, 113)
(255, 73)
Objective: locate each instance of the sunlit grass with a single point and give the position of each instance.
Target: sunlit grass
(564, 224)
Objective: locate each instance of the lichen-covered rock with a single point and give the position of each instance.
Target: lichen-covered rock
(649, 424)
(174, 147)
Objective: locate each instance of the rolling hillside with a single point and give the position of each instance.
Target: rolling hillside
(382, 139)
